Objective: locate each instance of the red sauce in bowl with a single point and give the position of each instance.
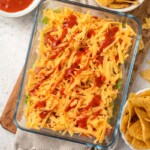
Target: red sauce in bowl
(14, 5)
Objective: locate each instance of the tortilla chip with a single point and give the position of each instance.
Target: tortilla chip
(143, 102)
(141, 45)
(128, 137)
(145, 93)
(124, 123)
(146, 74)
(147, 143)
(147, 119)
(128, 1)
(105, 2)
(136, 131)
(131, 113)
(138, 144)
(144, 124)
(147, 24)
(131, 95)
(118, 6)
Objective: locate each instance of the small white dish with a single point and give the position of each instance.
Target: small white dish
(124, 107)
(132, 7)
(21, 13)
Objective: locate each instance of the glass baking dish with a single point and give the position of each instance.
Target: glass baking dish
(127, 69)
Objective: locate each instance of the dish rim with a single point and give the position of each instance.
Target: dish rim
(23, 12)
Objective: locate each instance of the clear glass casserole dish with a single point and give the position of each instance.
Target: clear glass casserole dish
(19, 118)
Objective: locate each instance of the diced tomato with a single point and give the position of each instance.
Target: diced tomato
(120, 41)
(70, 21)
(109, 38)
(116, 58)
(91, 33)
(40, 104)
(96, 101)
(44, 113)
(70, 71)
(99, 60)
(99, 81)
(96, 114)
(71, 105)
(82, 121)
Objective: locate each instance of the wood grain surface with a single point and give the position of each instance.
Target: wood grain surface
(7, 115)
(6, 119)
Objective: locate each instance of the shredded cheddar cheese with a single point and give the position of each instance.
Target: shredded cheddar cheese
(72, 84)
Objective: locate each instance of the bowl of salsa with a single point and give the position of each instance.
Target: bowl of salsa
(17, 8)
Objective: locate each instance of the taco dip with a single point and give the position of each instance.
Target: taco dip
(77, 73)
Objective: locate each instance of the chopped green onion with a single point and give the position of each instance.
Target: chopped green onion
(118, 84)
(109, 120)
(45, 20)
(123, 24)
(57, 11)
(27, 98)
(111, 103)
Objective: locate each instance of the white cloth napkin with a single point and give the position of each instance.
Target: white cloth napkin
(29, 141)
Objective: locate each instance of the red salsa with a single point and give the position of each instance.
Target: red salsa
(99, 81)
(40, 104)
(109, 38)
(14, 5)
(44, 113)
(82, 121)
(91, 33)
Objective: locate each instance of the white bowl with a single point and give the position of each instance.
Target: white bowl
(124, 107)
(123, 9)
(21, 13)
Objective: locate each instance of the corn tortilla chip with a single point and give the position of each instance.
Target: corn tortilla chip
(118, 6)
(105, 2)
(124, 123)
(138, 144)
(144, 124)
(143, 102)
(141, 45)
(147, 24)
(127, 1)
(136, 130)
(128, 137)
(147, 119)
(131, 113)
(132, 95)
(146, 74)
(145, 93)
(147, 143)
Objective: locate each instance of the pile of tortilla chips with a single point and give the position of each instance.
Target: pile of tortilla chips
(135, 123)
(117, 4)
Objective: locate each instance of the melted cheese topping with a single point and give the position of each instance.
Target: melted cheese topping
(72, 84)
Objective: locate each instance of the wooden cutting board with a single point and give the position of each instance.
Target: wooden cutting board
(6, 119)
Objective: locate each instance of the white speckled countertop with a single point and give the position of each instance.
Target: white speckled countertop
(14, 39)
